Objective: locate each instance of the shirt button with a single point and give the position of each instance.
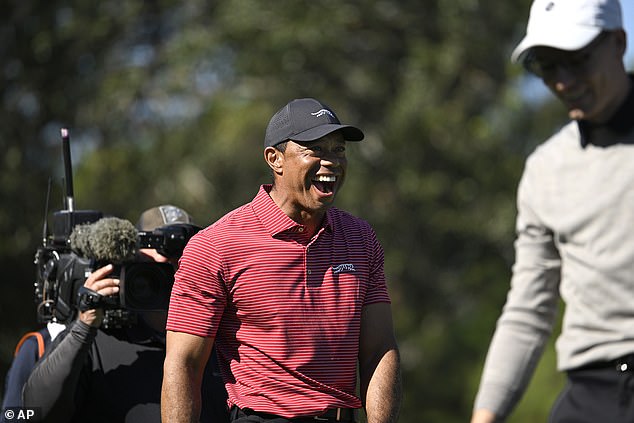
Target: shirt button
(309, 271)
(301, 229)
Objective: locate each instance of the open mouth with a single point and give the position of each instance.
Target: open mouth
(325, 183)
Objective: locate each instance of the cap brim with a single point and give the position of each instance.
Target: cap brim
(560, 38)
(350, 133)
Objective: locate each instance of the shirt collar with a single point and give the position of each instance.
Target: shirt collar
(274, 219)
(608, 133)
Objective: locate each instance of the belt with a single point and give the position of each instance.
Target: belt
(337, 415)
(621, 364)
(331, 415)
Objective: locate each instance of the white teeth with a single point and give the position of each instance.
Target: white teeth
(326, 178)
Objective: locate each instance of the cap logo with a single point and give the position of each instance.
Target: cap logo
(322, 112)
(550, 6)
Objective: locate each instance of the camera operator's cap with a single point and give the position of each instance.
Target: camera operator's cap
(306, 119)
(162, 215)
(567, 24)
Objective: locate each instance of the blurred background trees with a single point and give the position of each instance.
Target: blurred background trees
(167, 102)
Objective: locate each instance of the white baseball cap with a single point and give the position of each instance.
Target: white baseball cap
(567, 24)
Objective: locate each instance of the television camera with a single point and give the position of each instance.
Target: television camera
(84, 240)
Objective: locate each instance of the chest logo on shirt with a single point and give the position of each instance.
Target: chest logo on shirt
(343, 268)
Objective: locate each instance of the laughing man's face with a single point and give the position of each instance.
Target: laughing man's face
(313, 172)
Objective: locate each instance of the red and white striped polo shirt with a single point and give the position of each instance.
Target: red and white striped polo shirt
(285, 309)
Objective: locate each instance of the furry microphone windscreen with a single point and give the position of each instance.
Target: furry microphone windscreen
(109, 239)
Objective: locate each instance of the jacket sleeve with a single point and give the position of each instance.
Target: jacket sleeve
(54, 385)
(530, 311)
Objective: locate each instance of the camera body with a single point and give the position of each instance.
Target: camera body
(61, 270)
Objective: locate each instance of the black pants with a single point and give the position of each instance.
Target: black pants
(246, 416)
(596, 395)
(239, 416)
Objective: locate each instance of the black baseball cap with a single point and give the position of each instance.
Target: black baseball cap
(306, 119)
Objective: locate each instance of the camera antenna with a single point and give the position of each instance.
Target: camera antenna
(45, 228)
(68, 170)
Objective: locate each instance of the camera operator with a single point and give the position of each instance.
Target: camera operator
(98, 374)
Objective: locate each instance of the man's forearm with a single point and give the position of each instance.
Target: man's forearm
(185, 359)
(180, 397)
(483, 416)
(383, 394)
(52, 385)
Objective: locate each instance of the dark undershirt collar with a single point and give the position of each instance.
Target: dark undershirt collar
(610, 132)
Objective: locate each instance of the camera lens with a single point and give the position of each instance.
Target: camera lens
(146, 286)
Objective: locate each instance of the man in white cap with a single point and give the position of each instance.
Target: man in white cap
(574, 226)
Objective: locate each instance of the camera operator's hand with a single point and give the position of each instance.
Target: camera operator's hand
(98, 282)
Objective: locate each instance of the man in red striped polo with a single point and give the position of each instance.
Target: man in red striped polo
(290, 290)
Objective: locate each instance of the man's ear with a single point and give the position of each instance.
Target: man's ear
(621, 41)
(274, 158)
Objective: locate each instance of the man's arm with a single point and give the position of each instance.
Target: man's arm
(54, 384)
(530, 311)
(379, 365)
(185, 360)
(483, 416)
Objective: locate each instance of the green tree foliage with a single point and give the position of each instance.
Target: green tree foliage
(167, 102)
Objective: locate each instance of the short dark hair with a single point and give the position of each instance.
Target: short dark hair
(281, 146)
